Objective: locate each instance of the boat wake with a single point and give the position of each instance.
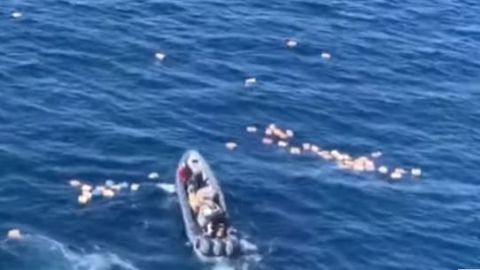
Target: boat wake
(169, 188)
(246, 262)
(223, 266)
(43, 253)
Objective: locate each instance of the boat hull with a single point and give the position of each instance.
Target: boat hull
(227, 248)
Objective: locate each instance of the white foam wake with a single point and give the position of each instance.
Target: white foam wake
(169, 188)
(42, 252)
(248, 261)
(223, 266)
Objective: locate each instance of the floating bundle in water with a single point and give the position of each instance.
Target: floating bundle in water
(249, 82)
(231, 145)
(86, 188)
(267, 140)
(17, 14)
(134, 187)
(295, 150)
(160, 56)
(291, 43)
(153, 175)
(326, 55)
(251, 129)
(383, 169)
(87, 192)
(416, 172)
(284, 139)
(108, 193)
(282, 144)
(84, 198)
(111, 188)
(14, 234)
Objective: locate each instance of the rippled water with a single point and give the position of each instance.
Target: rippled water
(83, 96)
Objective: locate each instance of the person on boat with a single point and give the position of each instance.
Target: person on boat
(194, 174)
(209, 211)
(193, 199)
(220, 232)
(211, 218)
(185, 173)
(215, 230)
(210, 230)
(191, 174)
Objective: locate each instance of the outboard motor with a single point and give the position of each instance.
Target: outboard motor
(204, 245)
(231, 246)
(218, 247)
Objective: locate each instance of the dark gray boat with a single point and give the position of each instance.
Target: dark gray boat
(193, 177)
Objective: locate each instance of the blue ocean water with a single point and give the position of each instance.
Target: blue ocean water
(82, 96)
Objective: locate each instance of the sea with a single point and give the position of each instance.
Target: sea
(115, 90)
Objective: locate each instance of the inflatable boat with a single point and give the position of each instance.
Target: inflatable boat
(204, 211)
